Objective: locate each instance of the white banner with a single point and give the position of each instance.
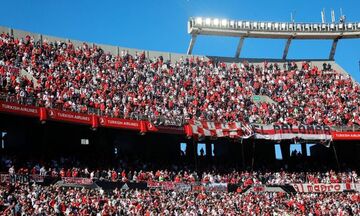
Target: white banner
(325, 188)
(286, 132)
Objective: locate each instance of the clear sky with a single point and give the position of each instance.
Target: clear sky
(162, 24)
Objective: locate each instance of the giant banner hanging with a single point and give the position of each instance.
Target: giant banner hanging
(212, 129)
(286, 132)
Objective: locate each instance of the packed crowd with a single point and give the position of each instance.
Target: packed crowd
(38, 200)
(137, 171)
(84, 79)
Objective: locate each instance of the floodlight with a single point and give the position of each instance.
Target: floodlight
(207, 21)
(216, 22)
(198, 21)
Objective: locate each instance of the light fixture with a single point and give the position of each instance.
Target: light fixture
(198, 21)
(207, 21)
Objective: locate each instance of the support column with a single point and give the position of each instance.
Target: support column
(285, 151)
(253, 155)
(208, 150)
(333, 49)
(239, 47)
(303, 150)
(286, 50)
(335, 155)
(192, 43)
(242, 154)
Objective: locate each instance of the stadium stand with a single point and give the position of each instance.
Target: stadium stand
(41, 75)
(87, 79)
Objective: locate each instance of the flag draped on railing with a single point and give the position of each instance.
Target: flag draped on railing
(213, 129)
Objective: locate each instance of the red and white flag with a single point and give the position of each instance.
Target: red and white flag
(213, 129)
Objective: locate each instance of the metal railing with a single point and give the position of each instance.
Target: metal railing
(31, 101)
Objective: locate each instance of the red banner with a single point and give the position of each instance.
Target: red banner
(73, 117)
(119, 123)
(345, 135)
(19, 109)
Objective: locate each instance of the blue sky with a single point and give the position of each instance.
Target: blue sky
(161, 24)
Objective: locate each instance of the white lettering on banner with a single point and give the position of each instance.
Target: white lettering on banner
(72, 116)
(19, 108)
(324, 188)
(281, 132)
(75, 180)
(115, 122)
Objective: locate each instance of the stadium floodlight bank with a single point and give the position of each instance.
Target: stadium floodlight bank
(275, 30)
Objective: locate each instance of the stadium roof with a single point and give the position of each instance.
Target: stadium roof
(274, 30)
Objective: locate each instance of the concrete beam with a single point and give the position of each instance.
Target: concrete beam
(239, 47)
(333, 49)
(286, 50)
(192, 43)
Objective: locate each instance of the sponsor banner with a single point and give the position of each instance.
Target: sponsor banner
(264, 188)
(125, 124)
(210, 187)
(119, 123)
(215, 186)
(170, 130)
(110, 186)
(325, 188)
(59, 115)
(77, 181)
(19, 109)
(37, 178)
(166, 185)
(285, 132)
(345, 135)
(151, 127)
(182, 187)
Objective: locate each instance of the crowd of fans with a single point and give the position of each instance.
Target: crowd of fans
(25, 199)
(138, 171)
(85, 78)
